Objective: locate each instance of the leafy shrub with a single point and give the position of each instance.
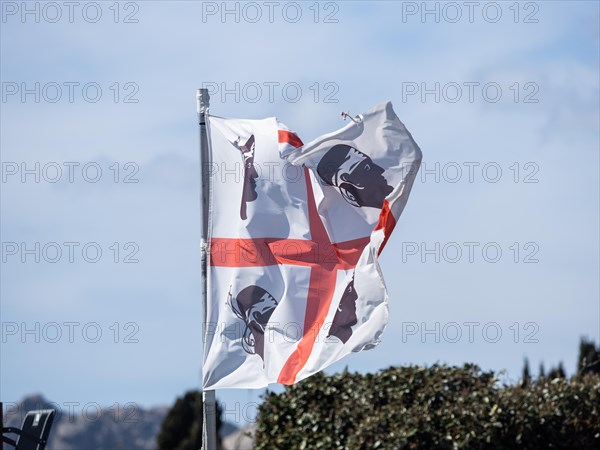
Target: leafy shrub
(439, 407)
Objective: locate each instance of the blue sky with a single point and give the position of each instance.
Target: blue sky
(533, 114)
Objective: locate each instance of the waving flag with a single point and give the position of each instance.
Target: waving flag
(295, 232)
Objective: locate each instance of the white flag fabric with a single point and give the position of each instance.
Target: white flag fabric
(295, 232)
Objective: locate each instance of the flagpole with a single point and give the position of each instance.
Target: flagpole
(209, 423)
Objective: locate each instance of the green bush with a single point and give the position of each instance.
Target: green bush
(439, 407)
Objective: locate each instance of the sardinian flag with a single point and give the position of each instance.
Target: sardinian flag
(295, 232)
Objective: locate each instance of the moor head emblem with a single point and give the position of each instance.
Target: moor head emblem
(254, 305)
(355, 175)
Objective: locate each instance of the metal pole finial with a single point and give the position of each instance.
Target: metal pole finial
(202, 100)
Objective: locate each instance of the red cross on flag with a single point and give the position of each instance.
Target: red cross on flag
(295, 232)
